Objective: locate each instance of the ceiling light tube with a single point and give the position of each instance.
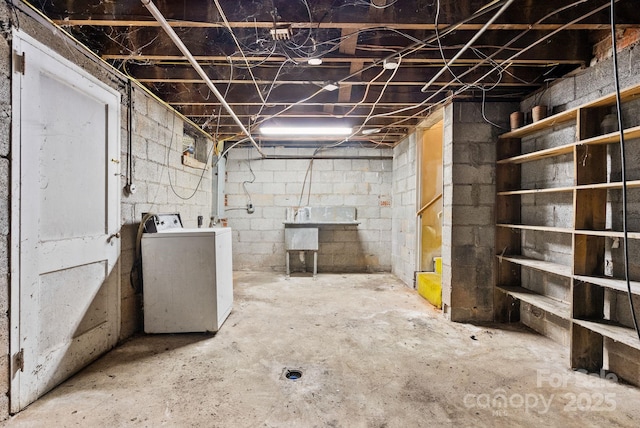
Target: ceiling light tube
(276, 130)
(371, 131)
(185, 51)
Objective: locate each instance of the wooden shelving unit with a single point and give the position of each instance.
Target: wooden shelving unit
(585, 307)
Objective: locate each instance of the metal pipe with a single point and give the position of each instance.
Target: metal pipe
(468, 45)
(416, 46)
(185, 51)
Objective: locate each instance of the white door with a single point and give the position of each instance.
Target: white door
(65, 280)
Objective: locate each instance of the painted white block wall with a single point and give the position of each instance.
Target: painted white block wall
(404, 210)
(351, 177)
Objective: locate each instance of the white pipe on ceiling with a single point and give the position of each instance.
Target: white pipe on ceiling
(185, 51)
(468, 45)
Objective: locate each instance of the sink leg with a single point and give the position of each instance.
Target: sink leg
(288, 275)
(315, 265)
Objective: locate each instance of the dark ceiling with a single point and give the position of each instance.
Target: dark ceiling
(267, 77)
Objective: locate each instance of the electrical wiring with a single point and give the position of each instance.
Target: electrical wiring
(508, 61)
(521, 34)
(375, 103)
(219, 115)
(275, 79)
(290, 106)
(473, 49)
(373, 106)
(484, 116)
(366, 92)
(306, 4)
(623, 167)
(502, 69)
(204, 168)
(502, 63)
(308, 173)
(372, 4)
(135, 274)
(233, 36)
(413, 48)
(268, 54)
(475, 37)
(444, 60)
(253, 179)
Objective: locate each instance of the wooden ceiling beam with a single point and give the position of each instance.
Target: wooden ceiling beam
(200, 93)
(325, 11)
(343, 85)
(207, 59)
(319, 76)
(248, 112)
(68, 23)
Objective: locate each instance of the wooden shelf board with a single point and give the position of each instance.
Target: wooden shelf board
(536, 228)
(547, 304)
(539, 154)
(626, 95)
(193, 163)
(613, 137)
(607, 233)
(534, 191)
(614, 331)
(565, 116)
(610, 138)
(556, 119)
(554, 268)
(611, 283)
(615, 185)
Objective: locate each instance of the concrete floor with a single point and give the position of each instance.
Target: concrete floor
(372, 354)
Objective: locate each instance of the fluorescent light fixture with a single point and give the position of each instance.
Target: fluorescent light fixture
(390, 64)
(306, 130)
(330, 87)
(371, 131)
(314, 61)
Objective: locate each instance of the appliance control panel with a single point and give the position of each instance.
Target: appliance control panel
(160, 222)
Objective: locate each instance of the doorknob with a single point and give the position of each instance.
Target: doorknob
(115, 235)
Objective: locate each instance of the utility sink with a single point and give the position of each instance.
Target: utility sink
(301, 228)
(306, 216)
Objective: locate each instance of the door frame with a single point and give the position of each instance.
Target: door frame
(435, 118)
(19, 38)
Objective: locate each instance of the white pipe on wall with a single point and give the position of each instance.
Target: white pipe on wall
(185, 51)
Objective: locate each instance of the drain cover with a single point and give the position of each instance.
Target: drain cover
(292, 374)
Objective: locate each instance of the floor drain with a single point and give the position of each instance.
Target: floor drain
(292, 374)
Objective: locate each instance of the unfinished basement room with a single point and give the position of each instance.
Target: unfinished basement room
(320, 213)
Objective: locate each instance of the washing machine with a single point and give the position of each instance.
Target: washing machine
(187, 277)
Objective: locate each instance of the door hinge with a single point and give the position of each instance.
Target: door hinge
(18, 62)
(20, 360)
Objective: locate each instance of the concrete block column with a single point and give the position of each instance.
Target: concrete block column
(468, 208)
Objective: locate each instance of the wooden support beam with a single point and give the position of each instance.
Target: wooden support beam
(100, 22)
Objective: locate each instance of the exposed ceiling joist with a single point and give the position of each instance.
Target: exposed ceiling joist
(352, 38)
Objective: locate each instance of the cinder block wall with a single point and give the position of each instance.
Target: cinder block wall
(403, 248)
(155, 128)
(469, 198)
(356, 177)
